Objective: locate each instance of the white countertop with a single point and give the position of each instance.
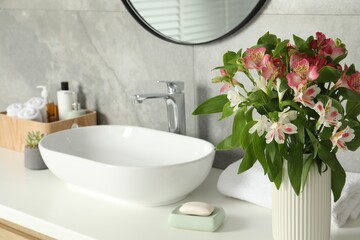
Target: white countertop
(40, 201)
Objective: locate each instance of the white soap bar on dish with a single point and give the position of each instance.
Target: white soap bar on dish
(196, 208)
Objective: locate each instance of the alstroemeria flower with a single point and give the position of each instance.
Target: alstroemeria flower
(235, 98)
(339, 138)
(287, 116)
(328, 47)
(306, 97)
(278, 131)
(226, 85)
(262, 125)
(301, 75)
(344, 79)
(354, 82)
(260, 84)
(256, 58)
(269, 70)
(328, 115)
(280, 93)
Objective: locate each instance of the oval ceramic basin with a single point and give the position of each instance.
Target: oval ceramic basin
(133, 164)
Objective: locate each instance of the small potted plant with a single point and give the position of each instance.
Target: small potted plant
(32, 156)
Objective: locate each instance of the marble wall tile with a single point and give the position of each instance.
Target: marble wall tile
(78, 5)
(99, 56)
(306, 7)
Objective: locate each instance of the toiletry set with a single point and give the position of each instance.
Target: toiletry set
(41, 109)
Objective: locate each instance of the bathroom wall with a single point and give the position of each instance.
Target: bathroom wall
(106, 56)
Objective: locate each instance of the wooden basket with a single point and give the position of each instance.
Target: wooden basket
(14, 130)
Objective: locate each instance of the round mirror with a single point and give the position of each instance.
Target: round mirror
(193, 21)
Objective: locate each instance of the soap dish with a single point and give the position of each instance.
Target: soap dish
(200, 223)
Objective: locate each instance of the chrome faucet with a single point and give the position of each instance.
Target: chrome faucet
(175, 104)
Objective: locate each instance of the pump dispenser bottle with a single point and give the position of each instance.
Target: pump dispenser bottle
(51, 108)
(64, 100)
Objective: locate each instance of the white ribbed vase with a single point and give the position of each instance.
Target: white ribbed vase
(303, 217)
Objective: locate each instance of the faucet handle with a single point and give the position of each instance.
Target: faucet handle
(173, 86)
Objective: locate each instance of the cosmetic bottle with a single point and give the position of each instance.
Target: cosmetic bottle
(76, 108)
(51, 108)
(64, 100)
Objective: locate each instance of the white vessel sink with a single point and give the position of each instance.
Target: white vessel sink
(133, 164)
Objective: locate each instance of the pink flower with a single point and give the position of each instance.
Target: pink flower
(344, 79)
(327, 47)
(306, 97)
(328, 115)
(278, 131)
(303, 73)
(256, 58)
(339, 138)
(226, 86)
(354, 82)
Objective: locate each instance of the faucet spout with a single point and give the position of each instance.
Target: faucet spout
(140, 98)
(175, 104)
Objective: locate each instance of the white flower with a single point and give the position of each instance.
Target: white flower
(235, 98)
(280, 94)
(278, 131)
(287, 116)
(339, 138)
(260, 84)
(328, 115)
(262, 125)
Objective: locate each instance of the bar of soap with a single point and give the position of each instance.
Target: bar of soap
(199, 223)
(196, 208)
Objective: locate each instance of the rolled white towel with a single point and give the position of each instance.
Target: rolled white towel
(348, 205)
(13, 109)
(40, 104)
(30, 113)
(349, 160)
(253, 186)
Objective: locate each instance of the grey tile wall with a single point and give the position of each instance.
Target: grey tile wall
(106, 56)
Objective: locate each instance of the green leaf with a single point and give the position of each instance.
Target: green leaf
(248, 160)
(300, 136)
(239, 124)
(269, 41)
(246, 137)
(229, 56)
(355, 143)
(258, 97)
(293, 104)
(299, 42)
(351, 70)
(280, 47)
(352, 109)
(249, 114)
(349, 94)
(305, 170)
(314, 142)
(225, 144)
(227, 111)
(259, 145)
(274, 160)
(338, 174)
(278, 179)
(212, 105)
(295, 165)
(328, 74)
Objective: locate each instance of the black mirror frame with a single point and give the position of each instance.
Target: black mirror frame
(155, 32)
